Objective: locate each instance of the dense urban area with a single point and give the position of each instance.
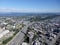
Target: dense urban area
(34, 29)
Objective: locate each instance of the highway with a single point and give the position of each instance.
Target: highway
(17, 40)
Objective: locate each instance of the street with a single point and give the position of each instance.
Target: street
(17, 40)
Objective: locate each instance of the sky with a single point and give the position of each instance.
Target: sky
(30, 6)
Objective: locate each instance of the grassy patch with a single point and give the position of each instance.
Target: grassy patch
(7, 40)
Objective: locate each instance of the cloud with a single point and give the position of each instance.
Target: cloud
(27, 10)
(9, 10)
(16, 10)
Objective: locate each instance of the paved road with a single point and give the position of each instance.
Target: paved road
(17, 40)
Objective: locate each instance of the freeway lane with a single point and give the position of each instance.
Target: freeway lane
(17, 40)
